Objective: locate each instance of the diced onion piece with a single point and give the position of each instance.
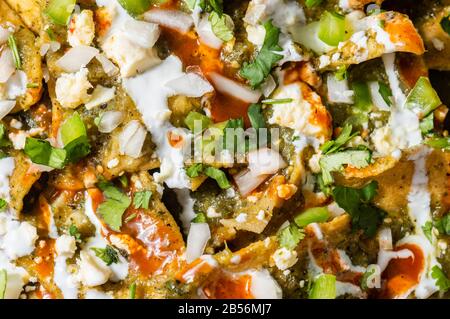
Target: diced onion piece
(247, 181)
(234, 89)
(338, 91)
(76, 58)
(265, 161)
(6, 107)
(101, 95)
(308, 36)
(268, 86)
(4, 34)
(377, 99)
(206, 34)
(7, 66)
(109, 121)
(190, 84)
(198, 237)
(385, 238)
(144, 34)
(109, 67)
(132, 138)
(172, 19)
(16, 85)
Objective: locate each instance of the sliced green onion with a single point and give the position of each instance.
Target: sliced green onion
(423, 97)
(60, 11)
(3, 282)
(385, 92)
(363, 100)
(324, 287)
(219, 176)
(3, 204)
(15, 51)
(196, 118)
(312, 215)
(32, 85)
(439, 143)
(72, 129)
(331, 28)
(51, 34)
(427, 124)
(277, 101)
(135, 7)
(199, 218)
(133, 291)
(312, 3)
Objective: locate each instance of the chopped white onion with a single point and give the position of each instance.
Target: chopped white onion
(247, 181)
(235, 89)
(385, 238)
(109, 121)
(377, 99)
(198, 237)
(109, 67)
(265, 161)
(76, 58)
(338, 91)
(132, 138)
(101, 95)
(144, 34)
(190, 84)
(268, 86)
(7, 66)
(6, 107)
(172, 19)
(16, 85)
(206, 34)
(4, 34)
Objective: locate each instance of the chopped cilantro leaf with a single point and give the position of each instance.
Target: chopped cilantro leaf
(115, 205)
(257, 71)
(355, 201)
(441, 279)
(290, 236)
(334, 162)
(142, 199)
(108, 254)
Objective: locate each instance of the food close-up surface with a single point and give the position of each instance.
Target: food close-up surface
(217, 149)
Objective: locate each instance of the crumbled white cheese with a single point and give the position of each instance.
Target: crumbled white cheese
(7, 166)
(241, 218)
(65, 246)
(19, 239)
(81, 30)
(284, 258)
(72, 89)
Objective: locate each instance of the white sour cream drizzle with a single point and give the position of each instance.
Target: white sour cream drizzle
(150, 95)
(403, 123)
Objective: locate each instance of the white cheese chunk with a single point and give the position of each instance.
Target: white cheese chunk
(72, 89)
(81, 29)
